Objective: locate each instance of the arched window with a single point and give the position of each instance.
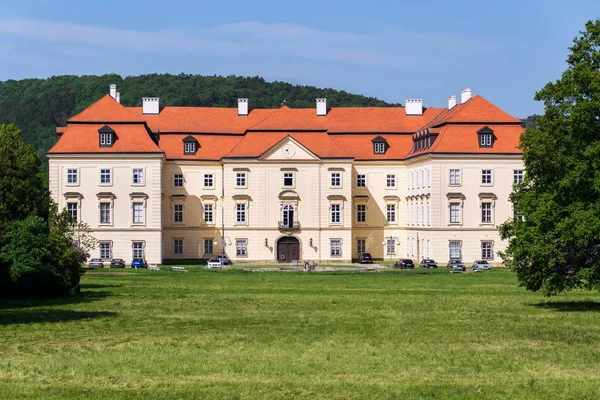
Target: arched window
(288, 216)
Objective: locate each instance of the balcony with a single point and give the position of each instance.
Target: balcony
(289, 226)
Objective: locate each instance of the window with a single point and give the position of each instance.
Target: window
(138, 176)
(455, 177)
(208, 213)
(178, 213)
(485, 140)
(486, 213)
(137, 250)
(517, 176)
(487, 250)
(361, 246)
(288, 216)
(189, 147)
(208, 180)
(208, 246)
(72, 176)
(288, 179)
(138, 213)
(454, 213)
(240, 213)
(361, 213)
(361, 180)
(241, 246)
(240, 179)
(390, 181)
(379, 148)
(390, 213)
(335, 247)
(454, 247)
(105, 178)
(336, 213)
(105, 213)
(178, 246)
(105, 139)
(105, 250)
(336, 179)
(390, 247)
(178, 180)
(72, 209)
(486, 176)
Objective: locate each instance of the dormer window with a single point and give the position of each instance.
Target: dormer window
(486, 137)
(106, 136)
(380, 145)
(190, 146)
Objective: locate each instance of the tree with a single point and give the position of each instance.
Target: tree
(554, 244)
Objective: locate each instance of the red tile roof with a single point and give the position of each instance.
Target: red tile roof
(107, 110)
(361, 146)
(211, 147)
(464, 139)
(377, 119)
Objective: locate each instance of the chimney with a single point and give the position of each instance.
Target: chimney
(451, 102)
(118, 98)
(112, 90)
(321, 107)
(150, 105)
(242, 107)
(413, 107)
(465, 95)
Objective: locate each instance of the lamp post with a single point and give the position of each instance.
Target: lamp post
(223, 245)
(385, 243)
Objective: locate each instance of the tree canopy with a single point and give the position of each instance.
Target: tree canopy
(554, 243)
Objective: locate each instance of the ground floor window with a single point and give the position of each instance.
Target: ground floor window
(335, 246)
(361, 246)
(208, 246)
(178, 247)
(105, 250)
(137, 250)
(390, 247)
(487, 250)
(241, 247)
(454, 249)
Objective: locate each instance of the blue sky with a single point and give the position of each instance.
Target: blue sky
(393, 50)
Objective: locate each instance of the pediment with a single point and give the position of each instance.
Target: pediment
(288, 149)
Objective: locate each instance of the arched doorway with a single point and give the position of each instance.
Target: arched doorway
(288, 249)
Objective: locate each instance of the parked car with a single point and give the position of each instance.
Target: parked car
(365, 258)
(224, 260)
(215, 263)
(454, 261)
(458, 268)
(481, 265)
(138, 263)
(117, 263)
(405, 264)
(428, 263)
(96, 263)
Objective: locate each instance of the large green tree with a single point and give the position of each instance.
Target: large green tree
(554, 243)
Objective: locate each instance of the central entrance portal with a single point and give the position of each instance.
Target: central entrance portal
(288, 249)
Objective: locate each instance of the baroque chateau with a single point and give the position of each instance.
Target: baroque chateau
(280, 185)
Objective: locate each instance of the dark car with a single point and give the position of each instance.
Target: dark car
(481, 265)
(454, 261)
(138, 263)
(224, 260)
(96, 263)
(117, 263)
(405, 264)
(458, 268)
(365, 258)
(428, 263)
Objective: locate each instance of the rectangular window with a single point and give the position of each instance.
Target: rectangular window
(390, 213)
(105, 178)
(454, 213)
(105, 213)
(485, 139)
(178, 246)
(240, 179)
(336, 179)
(72, 209)
(138, 213)
(390, 181)
(72, 176)
(178, 213)
(336, 213)
(178, 180)
(208, 180)
(361, 180)
(240, 213)
(486, 213)
(361, 213)
(454, 247)
(455, 177)
(361, 246)
(517, 176)
(208, 213)
(487, 250)
(486, 176)
(138, 176)
(137, 250)
(379, 147)
(390, 247)
(241, 247)
(189, 147)
(105, 139)
(208, 246)
(335, 246)
(105, 250)
(288, 179)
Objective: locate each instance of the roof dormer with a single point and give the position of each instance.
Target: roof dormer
(190, 146)
(485, 137)
(380, 145)
(106, 136)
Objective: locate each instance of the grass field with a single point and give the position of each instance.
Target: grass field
(231, 334)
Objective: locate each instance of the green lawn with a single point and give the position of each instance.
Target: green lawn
(231, 334)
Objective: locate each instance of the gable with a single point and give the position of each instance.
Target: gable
(288, 149)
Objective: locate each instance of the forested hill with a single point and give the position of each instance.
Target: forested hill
(38, 106)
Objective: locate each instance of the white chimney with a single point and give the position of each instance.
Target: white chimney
(150, 105)
(321, 107)
(465, 95)
(451, 102)
(243, 107)
(112, 90)
(413, 107)
(118, 98)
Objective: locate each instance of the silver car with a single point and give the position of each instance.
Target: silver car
(481, 265)
(96, 263)
(215, 263)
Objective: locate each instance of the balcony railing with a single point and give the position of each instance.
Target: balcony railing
(289, 226)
